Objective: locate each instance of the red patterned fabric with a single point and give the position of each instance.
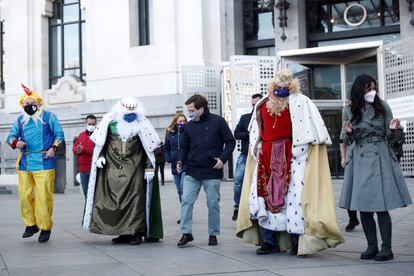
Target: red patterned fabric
(274, 172)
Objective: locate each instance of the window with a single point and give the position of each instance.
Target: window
(319, 82)
(353, 70)
(258, 26)
(144, 10)
(332, 20)
(1, 56)
(66, 33)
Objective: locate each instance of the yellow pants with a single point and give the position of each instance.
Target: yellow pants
(36, 198)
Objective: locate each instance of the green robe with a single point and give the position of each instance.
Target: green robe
(121, 191)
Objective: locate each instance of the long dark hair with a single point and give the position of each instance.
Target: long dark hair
(361, 83)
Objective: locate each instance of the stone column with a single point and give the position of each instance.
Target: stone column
(296, 26)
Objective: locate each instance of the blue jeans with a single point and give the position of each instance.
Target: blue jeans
(238, 179)
(191, 190)
(179, 181)
(84, 182)
(269, 236)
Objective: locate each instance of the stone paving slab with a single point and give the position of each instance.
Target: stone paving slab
(72, 251)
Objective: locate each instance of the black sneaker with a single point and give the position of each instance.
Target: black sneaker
(30, 231)
(186, 238)
(235, 214)
(267, 248)
(351, 225)
(179, 221)
(122, 239)
(44, 236)
(212, 240)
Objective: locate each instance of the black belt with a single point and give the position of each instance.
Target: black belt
(369, 139)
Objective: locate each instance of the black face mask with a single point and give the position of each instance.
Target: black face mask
(30, 109)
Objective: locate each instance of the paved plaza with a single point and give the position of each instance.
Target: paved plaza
(72, 251)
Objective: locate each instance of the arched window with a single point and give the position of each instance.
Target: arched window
(66, 36)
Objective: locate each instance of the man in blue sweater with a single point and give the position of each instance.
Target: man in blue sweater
(207, 144)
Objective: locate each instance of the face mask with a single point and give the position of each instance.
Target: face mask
(130, 117)
(181, 127)
(90, 128)
(281, 92)
(30, 109)
(195, 115)
(370, 96)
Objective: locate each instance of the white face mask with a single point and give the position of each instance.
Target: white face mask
(195, 115)
(370, 96)
(90, 128)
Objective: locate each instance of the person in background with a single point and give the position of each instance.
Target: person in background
(207, 145)
(241, 133)
(83, 148)
(345, 149)
(173, 141)
(373, 181)
(38, 134)
(160, 161)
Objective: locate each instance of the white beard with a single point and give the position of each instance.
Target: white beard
(35, 117)
(127, 130)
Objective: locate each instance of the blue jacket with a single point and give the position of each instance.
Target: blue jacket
(204, 140)
(173, 141)
(38, 138)
(241, 133)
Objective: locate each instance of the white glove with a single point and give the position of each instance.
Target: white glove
(262, 213)
(149, 175)
(100, 162)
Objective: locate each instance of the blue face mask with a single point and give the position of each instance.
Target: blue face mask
(130, 117)
(181, 127)
(282, 92)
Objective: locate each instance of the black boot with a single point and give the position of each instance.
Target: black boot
(385, 226)
(136, 239)
(353, 221)
(122, 239)
(30, 231)
(212, 240)
(370, 230)
(295, 244)
(267, 248)
(235, 214)
(44, 235)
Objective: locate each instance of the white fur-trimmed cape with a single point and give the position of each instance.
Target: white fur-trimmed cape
(307, 128)
(150, 141)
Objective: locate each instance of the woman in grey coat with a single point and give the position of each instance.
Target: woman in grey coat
(373, 181)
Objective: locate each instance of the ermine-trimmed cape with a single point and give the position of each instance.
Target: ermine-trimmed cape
(321, 229)
(150, 142)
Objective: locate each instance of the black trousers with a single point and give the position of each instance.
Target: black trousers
(161, 167)
(370, 229)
